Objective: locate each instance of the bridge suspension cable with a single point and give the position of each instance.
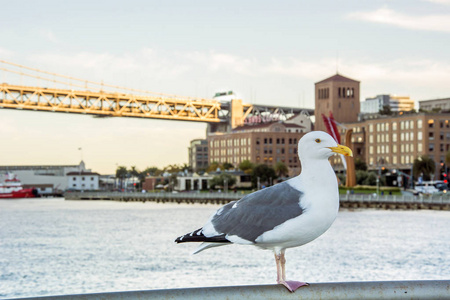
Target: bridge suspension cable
(86, 82)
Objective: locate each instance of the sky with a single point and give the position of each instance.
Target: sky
(268, 52)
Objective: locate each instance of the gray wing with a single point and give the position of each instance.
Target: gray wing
(258, 212)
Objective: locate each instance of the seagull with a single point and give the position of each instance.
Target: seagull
(286, 215)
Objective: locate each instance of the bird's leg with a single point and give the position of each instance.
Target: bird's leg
(283, 265)
(279, 272)
(292, 286)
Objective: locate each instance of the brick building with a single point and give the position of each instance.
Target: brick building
(267, 143)
(395, 141)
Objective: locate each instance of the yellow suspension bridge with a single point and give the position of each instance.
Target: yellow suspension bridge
(122, 104)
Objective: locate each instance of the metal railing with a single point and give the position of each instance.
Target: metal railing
(420, 199)
(429, 289)
(368, 198)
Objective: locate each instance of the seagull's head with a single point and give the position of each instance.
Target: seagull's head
(320, 145)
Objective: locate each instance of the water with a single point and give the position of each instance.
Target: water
(54, 247)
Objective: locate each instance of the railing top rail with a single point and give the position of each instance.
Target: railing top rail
(427, 289)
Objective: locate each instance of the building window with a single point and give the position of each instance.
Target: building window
(431, 147)
(431, 136)
(74, 178)
(92, 178)
(419, 124)
(431, 123)
(82, 178)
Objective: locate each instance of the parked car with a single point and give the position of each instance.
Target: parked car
(430, 187)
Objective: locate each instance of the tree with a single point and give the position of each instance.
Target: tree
(227, 166)
(221, 179)
(361, 176)
(371, 179)
(265, 173)
(281, 169)
(246, 166)
(121, 173)
(187, 167)
(173, 168)
(360, 165)
(151, 171)
(213, 167)
(134, 173)
(424, 165)
(386, 110)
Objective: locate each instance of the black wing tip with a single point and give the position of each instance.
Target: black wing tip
(194, 236)
(197, 236)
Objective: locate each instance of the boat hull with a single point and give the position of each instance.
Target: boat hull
(24, 193)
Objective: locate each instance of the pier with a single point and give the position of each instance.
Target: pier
(433, 202)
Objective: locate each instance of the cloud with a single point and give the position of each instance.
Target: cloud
(444, 2)
(201, 73)
(439, 23)
(5, 53)
(48, 35)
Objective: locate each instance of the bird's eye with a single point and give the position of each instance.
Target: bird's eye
(318, 141)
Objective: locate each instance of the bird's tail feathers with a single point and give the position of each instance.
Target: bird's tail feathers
(206, 245)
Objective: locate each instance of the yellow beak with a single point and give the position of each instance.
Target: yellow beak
(342, 150)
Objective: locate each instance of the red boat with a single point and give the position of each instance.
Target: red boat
(12, 188)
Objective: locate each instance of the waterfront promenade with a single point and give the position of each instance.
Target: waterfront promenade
(434, 202)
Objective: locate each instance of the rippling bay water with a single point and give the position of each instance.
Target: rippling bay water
(53, 247)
